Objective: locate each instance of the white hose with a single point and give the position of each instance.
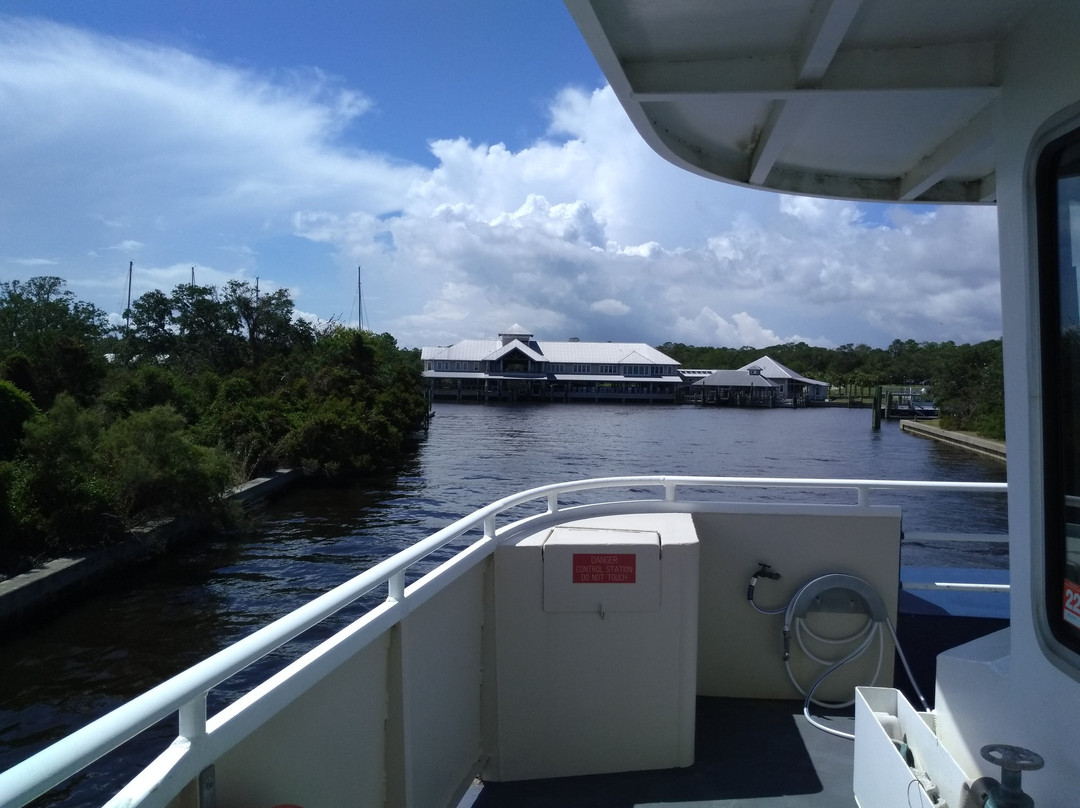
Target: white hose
(870, 630)
(864, 636)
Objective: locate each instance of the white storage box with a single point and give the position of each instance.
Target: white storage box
(596, 625)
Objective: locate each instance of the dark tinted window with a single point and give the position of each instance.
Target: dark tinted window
(1058, 202)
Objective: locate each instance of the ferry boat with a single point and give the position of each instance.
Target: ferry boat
(663, 640)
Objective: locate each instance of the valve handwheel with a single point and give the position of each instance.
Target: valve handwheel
(1012, 758)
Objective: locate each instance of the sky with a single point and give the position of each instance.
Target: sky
(464, 164)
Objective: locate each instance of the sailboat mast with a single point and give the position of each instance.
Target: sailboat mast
(127, 309)
(359, 299)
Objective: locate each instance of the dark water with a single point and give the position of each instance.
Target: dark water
(180, 609)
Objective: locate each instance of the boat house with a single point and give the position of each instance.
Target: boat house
(516, 367)
(745, 387)
(762, 383)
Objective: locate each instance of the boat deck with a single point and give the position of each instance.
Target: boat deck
(748, 752)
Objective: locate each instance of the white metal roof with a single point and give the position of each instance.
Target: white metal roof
(735, 378)
(772, 369)
(515, 345)
(473, 350)
(604, 353)
(861, 99)
(515, 331)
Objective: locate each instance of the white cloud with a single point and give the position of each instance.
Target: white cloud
(33, 262)
(127, 246)
(613, 308)
(191, 162)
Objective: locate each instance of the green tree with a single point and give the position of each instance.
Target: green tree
(153, 331)
(207, 330)
(969, 387)
(50, 341)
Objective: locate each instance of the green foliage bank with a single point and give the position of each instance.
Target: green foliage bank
(101, 428)
(966, 381)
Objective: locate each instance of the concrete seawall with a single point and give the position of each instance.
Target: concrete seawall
(26, 597)
(984, 446)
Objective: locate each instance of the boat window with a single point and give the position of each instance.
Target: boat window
(1058, 203)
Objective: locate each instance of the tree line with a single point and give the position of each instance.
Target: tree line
(965, 381)
(102, 427)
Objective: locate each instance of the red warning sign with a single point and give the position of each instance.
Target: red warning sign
(605, 568)
(1072, 602)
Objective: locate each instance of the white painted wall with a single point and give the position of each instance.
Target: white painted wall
(740, 651)
(324, 750)
(1005, 689)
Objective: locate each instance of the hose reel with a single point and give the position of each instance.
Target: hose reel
(836, 593)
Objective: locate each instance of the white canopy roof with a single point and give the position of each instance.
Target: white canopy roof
(862, 99)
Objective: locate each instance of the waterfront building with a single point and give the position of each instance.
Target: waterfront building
(761, 383)
(745, 387)
(792, 386)
(517, 367)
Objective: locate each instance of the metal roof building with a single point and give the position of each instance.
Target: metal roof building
(792, 384)
(764, 382)
(515, 367)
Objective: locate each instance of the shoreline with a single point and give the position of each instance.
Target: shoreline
(31, 596)
(973, 443)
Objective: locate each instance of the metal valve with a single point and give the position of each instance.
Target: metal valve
(1007, 794)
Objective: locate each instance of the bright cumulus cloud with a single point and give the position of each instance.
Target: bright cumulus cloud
(116, 150)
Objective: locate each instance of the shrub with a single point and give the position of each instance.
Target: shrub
(145, 386)
(16, 408)
(156, 470)
(58, 495)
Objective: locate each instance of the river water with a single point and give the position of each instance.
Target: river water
(179, 609)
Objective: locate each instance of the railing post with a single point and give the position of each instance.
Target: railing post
(553, 503)
(395, 587)
(489, 527)
(193, 718)
(669, 491)
(864, 496)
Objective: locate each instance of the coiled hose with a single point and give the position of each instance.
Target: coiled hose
(860, 595)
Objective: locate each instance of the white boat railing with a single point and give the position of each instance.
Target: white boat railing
(186, 693)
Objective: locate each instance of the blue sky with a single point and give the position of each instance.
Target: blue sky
(468, 156)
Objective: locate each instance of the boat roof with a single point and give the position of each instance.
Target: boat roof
(858, 99)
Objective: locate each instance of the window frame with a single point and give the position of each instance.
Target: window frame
(1057, 392)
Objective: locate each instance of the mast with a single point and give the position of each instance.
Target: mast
(359, 299)
(127, 310)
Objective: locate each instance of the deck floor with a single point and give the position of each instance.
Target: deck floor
(752, 753)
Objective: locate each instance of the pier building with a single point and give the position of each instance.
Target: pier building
(517, 367)
(761, 383)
